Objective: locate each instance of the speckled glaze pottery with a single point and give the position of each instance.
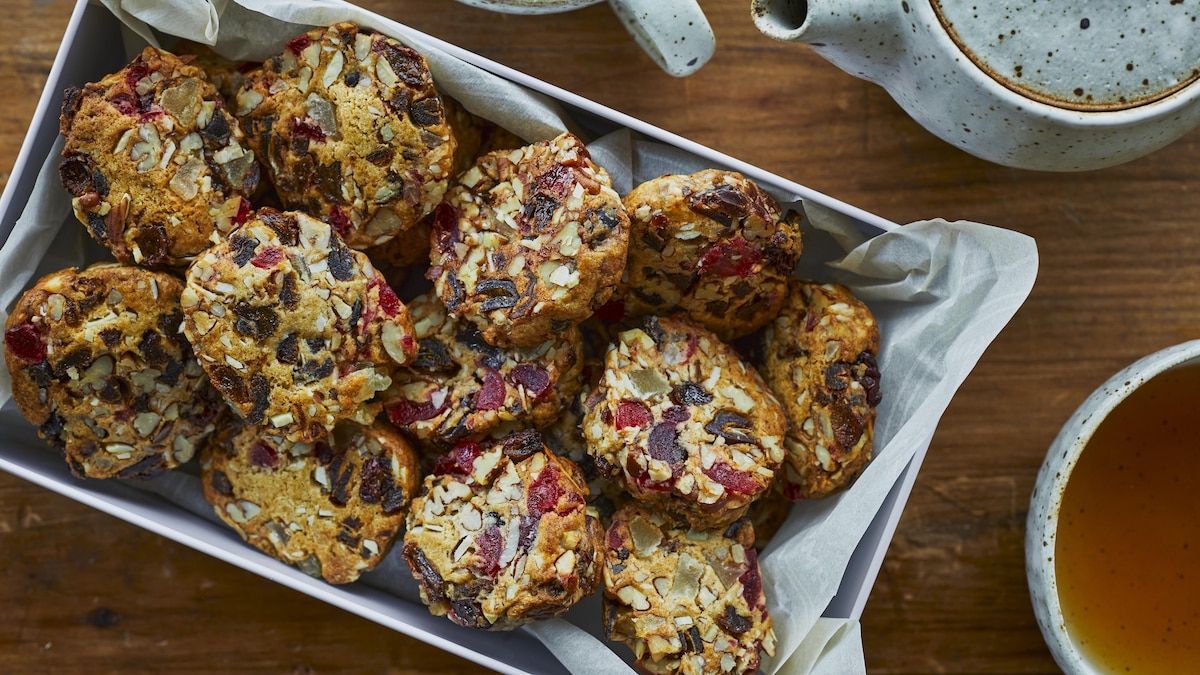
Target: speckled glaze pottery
(1041, 527)
(1052, 86)
(675, 33)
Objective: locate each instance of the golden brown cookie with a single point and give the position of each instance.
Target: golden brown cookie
(351, 130)
(529, 242)
(157, 168)
(333, 508)
(683, 423)
(461, 388)
(99, 365)
(820, 360)
(295, 329)
(501, 535)
(685, 601)
(712, 244)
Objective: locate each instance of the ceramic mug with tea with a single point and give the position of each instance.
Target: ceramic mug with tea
(675, 33)
(1057, 86)
(1112, 541)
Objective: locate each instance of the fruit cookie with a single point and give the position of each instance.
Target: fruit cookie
(331, 508)
(98, 364)
(819, 356)
(529, 242)
(459, 387)
(713, 244)
(351, 130)
(296, 330)
(156, 166)
(685, 601)
(500, 535)
(684, 423)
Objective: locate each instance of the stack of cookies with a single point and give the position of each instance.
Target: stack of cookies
(599, 392)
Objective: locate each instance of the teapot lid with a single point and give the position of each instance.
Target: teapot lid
(1088, 56)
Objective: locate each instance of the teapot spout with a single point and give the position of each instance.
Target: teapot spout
(862, 37)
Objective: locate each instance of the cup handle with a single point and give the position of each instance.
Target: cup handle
(675, 34)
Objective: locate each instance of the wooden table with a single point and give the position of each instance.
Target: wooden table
(1120, 250)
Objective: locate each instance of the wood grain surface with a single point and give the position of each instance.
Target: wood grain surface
(1120, 264)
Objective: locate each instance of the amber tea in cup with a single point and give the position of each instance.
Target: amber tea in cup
(1127, 554)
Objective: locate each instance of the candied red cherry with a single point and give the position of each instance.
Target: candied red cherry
(460, 459)
(267, 258)
(731, 478)
(25, 342)
(243, 213)
(751, 581)
(307, 129)
(299, 43)
(489, 544)
(263, 456)
(406, 412)
(632, 414)
(544, 492)
(387, 299)
(728, 259)
(337, 217)
(535, 379)
(491, 396)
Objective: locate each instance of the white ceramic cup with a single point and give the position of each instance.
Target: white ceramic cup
(1041, 528)
(675, 33)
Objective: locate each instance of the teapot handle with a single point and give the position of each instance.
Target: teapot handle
(675, 34)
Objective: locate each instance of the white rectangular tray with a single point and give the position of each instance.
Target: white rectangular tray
(86, 54)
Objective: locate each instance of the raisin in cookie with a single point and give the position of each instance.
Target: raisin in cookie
(713, 244)
(685, 601)
(529, 242)
(351, 129)
(460, 387)
(157, 168)
(296, 330)
(98, 364)
(819, 356)
(684, 423)
(501, 535)
(333, 508)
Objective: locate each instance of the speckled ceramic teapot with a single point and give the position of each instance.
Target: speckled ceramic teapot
(1051, 85)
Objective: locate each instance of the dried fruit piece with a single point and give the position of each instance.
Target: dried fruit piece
(732, 479)
(25, 342)
(632, 414)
